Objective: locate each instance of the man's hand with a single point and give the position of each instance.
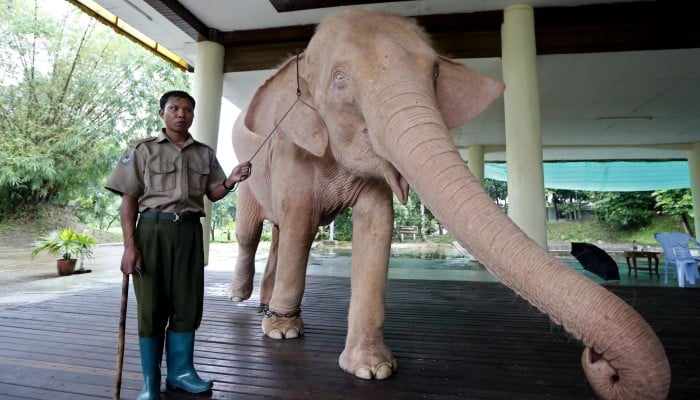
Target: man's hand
(131, 259)
(241, 172)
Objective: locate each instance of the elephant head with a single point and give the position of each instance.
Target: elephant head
(378, 99)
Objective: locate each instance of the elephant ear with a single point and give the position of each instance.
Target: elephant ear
(271, 106)
(462, 94)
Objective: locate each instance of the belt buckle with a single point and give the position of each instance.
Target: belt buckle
(177, 217)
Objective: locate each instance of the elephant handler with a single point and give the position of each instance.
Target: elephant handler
(163, 181)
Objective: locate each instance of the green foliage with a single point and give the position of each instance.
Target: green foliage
(408, 214)
(266, 235)
(590, 231)
(497, 190)
(645, 235)
(223, 213)
(411, 214)
(342, 226)
(100, 208)
(568, 203)
(74, 93)
(404, 215)
(624, 210)
(593, 231)
(677, 203)
(66, 244)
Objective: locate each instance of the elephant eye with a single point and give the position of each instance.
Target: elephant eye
(339, 79)
(436, 71)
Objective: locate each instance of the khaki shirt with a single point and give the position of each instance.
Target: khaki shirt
(164, 177)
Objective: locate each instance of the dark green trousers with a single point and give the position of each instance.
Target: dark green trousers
(170, 290)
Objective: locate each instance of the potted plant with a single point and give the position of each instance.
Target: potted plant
(66, 244)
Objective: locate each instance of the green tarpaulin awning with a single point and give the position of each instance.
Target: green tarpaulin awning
(606, 176)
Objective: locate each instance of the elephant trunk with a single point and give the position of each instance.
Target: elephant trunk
(623, 358)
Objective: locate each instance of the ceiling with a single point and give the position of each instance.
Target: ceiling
(617, 80)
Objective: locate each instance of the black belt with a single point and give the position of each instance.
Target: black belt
(171, 217)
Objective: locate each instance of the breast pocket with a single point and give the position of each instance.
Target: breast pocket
(198, 176)
(162, 176)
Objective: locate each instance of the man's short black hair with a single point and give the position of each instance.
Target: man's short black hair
(175, 93)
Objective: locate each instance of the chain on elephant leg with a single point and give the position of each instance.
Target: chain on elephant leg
(282, 325)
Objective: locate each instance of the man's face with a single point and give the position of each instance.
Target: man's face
(177, 114)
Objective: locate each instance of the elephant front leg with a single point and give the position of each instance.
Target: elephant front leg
(282, 318)
(365, 354)
(249, 225)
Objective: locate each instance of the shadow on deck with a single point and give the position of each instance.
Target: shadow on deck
(452, 340)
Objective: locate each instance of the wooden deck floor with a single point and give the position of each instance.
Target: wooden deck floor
(452, 340)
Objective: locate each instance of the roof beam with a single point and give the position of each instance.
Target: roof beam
(628, 26)
(183, 19)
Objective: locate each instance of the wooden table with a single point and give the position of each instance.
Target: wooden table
(649, 255)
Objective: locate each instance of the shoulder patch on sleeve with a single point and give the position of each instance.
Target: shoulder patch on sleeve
(126, 158)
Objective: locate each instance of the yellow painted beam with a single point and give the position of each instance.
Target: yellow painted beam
(103, 15)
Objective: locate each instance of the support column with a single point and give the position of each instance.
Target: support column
(475, 162)
(207, 88)
(526, 202)
(694, 171)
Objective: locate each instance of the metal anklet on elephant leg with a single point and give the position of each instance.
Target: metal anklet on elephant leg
(269, 313)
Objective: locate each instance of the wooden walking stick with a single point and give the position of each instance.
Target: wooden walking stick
(122, 334)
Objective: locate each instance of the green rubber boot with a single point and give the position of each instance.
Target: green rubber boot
(151, 357)
(179, 348)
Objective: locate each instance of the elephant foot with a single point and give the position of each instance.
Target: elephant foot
(240, 291)
(376, 363)
(282, 326)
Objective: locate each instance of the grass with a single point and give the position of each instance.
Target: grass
(592, 231)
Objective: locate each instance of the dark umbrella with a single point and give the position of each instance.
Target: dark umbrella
(596, 260)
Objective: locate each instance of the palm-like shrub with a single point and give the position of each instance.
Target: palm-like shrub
(66, 244)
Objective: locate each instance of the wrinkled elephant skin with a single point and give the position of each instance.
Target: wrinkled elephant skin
(375, 106)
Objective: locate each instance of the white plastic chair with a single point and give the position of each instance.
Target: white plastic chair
(686, 266)
(684, 269)
(686, 241)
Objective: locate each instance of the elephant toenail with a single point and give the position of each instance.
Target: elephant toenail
(363, 372)
(384, 370)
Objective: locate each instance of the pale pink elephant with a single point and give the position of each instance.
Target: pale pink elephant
(376, 105)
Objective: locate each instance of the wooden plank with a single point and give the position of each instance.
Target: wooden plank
(453, 340)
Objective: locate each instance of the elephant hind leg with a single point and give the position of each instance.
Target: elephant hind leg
(249, 224)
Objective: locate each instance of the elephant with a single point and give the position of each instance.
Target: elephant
(363, 112)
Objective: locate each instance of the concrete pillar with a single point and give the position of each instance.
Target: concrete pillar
(526, 202)
(694, 171)
(207, 88)
(475, 162)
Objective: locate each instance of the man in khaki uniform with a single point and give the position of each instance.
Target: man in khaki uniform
(163, 181)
